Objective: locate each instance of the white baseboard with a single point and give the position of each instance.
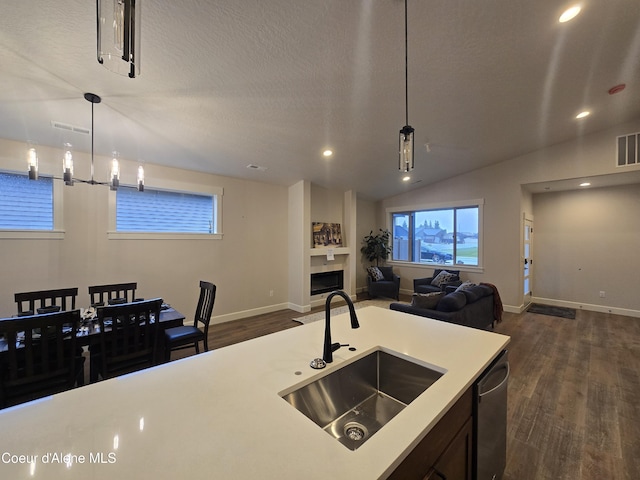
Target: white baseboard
(512, 309)
(507, 308)
(249, 313)
(586, 306)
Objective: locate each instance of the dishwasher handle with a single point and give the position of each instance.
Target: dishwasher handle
(497, 387)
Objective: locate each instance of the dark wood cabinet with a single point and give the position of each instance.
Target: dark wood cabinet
(446, 451)
(455, 462)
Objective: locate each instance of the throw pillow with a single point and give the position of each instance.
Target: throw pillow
(375, 274)
(465, 286)
(443, 277)
(426, 300)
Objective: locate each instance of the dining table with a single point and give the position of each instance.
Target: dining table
(88, 332)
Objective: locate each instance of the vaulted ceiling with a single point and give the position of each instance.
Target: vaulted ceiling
(225, 84)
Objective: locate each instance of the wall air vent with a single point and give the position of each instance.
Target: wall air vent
(70, 128)
(628, 146)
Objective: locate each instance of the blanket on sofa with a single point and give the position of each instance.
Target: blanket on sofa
(497, 302)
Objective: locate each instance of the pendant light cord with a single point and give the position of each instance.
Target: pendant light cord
(406, 66)
(92, 181)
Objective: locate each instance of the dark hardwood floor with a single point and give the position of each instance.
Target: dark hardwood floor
(573, 410)
(574, 391)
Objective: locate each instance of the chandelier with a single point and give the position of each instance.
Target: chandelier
(67, 161)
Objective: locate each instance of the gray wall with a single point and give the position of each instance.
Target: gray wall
(587, 241)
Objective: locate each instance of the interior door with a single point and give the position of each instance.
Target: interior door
(527, 255)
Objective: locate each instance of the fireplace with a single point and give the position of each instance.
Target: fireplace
(327, 282)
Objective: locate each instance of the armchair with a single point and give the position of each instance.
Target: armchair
(425, 285)
(388, 286)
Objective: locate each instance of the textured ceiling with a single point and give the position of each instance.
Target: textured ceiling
(225, 84)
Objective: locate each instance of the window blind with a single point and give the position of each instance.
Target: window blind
(25, 204)
(164, 211)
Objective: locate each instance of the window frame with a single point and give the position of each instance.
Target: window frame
(412, 209)
(177, 187)
(57, 232)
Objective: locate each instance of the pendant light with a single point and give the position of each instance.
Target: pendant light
(405, 161)
(118, 36)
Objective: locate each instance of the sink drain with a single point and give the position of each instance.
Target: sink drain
(355, 431)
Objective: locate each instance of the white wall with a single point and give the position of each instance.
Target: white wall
(585, 242)
(246, 265)
(500, 187)
(366, 222)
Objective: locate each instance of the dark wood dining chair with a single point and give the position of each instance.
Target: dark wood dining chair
(114, 294)
(128, 338)
(39, 356)
(188, 336)
(46, 301)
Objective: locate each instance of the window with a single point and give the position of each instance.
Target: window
(27, 207)
(159, 213)
(437, 236)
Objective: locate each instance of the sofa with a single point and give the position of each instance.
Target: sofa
(382, 282)
(437, 283)
(474, 306)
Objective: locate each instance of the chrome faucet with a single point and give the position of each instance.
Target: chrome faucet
(329, 347)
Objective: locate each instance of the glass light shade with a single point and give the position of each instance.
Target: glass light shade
(119, 36)
(405, 161)
(67, 165)
(140, 178)
(115, 174)
(32, 163)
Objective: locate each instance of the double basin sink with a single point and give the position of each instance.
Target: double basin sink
(356, 400)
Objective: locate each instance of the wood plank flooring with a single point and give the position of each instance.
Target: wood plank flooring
(574, 391)
(573, 410)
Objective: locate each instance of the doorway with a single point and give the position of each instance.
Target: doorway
(527, 255)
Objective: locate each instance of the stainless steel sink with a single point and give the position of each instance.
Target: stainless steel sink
(356, 400)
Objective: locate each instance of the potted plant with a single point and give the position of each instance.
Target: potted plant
(376, 247)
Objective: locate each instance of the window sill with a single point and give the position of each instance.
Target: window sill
(431, 266)
(162, 236)
(32, 234)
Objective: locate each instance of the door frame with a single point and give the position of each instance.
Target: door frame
(527, 222)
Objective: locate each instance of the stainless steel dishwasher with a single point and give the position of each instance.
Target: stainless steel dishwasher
(490, 416)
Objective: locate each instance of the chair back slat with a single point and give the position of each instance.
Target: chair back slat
(29, 302)
(40, 358)
(128, 340)
(205, 303)
(114, 293)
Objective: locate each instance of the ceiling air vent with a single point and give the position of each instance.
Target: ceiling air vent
(628, 149)
(251, 166)
(70, 128)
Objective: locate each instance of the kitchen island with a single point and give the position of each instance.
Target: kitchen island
(221, 415)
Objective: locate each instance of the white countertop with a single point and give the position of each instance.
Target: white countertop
(219, 415)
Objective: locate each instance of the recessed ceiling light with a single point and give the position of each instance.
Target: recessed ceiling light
(328, 152)
(585, 184)
(406, 178)
(569, 14)
(584, 114)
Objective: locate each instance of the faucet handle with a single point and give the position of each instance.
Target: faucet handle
(337, 345)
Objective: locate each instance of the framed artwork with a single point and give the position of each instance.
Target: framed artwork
(326, 234)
